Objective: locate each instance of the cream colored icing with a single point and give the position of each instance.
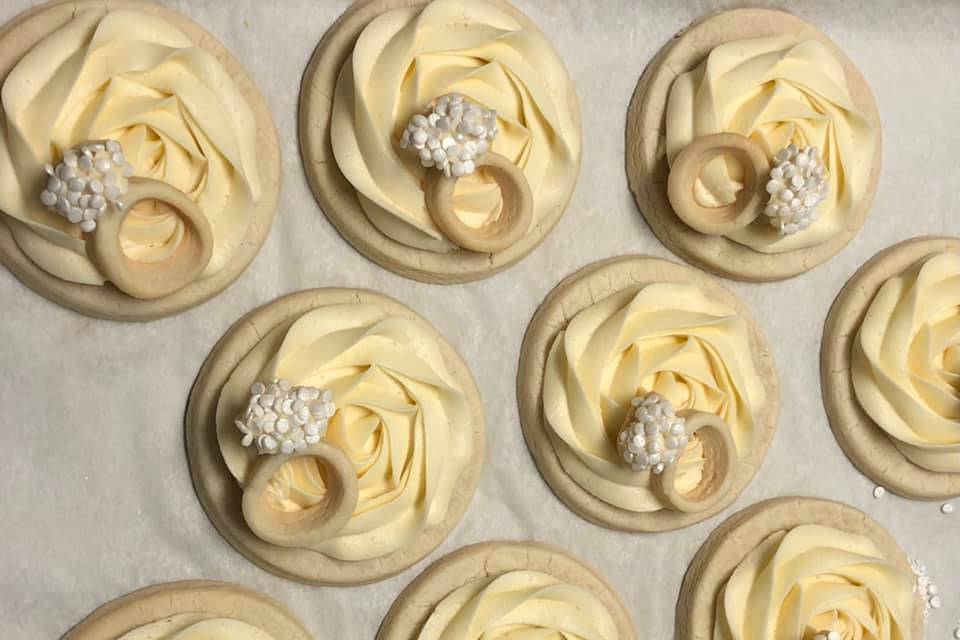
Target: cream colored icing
(177, 112)
(775, 90)
(905, 363)
(521, 605)
(665, 337)
(196, 626)
(401, 417)
(811, 579)
(408, 56)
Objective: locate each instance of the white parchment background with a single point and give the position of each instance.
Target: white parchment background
(95, 494)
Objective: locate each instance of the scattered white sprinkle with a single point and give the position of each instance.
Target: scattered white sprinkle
(946, 508)
(879, 492)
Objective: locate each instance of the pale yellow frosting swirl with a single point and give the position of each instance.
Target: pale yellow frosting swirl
(401, 417)
(814, 579)
(409, 56)
(666, 337)
(776, 90)
(196, 626)
(905, 363)
(519, 605)
(177, 112)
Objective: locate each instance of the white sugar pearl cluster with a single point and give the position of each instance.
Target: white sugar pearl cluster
(798, 184)
(451, 134)
(925, 586)
(654, 437)
(281, 418)
(827, 635)
(88, 178)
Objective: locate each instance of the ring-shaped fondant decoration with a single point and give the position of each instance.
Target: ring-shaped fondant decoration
(149, 280)
(720, 460)
(306, 526)
(507, 229)
(687, 166)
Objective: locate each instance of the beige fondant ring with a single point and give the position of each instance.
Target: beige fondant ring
(516, 212)
(305, 527)
(149, 280)
(720, 458)
(686, 168)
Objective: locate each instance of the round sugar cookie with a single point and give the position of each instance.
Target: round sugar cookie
(575, 293)
(16, 38)
(485, 560)
(646, 160)
(730, 543)
(862, 440)
(338, 198)
(221, 495)
(217, 599)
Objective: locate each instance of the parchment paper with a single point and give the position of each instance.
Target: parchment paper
(96, 495)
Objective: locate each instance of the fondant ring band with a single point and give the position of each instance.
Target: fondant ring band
(516, 212)
(686, 169)
(148, 280)
(306, 527)
(720, 460)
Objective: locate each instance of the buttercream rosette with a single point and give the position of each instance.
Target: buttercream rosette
(775, 90)
(508, 590)
(669, 338)
(905, 362)
(812, 580)
(521, 604)
(113, 72)
(378, 437)
(407, 57)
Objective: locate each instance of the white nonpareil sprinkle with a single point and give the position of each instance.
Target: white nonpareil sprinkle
(281, 418)
(88, 178)
(929, 592)
(451, 134)
(946, 508)
(655, 436)
(798, 184)
(879, 492)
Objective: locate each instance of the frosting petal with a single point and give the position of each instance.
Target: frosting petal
(177, 112)
(775, 90)
(905, 366)
(196, 626)
(408, 56)
(668, 338)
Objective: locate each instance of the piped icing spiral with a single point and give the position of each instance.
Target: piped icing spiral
(666, 337)
(178, 114)
(401, 418)
(196, 626)
(814, 579)
(905, 363)
(776, 90)
(519, 604)
(407, 57)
